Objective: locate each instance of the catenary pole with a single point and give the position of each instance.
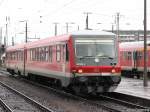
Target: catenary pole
(55, 27)
(145, 83)
(87, 19)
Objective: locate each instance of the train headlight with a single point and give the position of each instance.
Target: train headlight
(113, 70)
(80, 71)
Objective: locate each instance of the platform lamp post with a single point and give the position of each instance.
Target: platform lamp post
(26, 30)
(145, 82)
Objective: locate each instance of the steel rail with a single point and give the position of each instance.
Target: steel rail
(122, 102)
(5, 107)
(35, 103)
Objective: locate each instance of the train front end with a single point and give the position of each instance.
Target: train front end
(96, 68)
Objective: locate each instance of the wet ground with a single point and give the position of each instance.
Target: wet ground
(132, 86)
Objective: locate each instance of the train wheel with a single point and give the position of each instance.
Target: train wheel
(12, 72)
(58, 84)
(138, 76)
(76, 90)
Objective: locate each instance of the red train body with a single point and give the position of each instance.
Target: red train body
(132, 58)
(86, 61)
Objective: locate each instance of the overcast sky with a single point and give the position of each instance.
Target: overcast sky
(62, 11)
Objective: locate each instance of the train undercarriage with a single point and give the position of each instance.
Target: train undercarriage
(81, 84)
(95, 84)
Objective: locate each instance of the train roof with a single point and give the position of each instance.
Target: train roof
(61, 38)
(91, 32)
(16, 47)
(133, 45)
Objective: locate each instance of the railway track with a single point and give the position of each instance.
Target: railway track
(4, 107)
(114, 102)
(12, 101)
(101, 101)
(127, 100)
(107, 104)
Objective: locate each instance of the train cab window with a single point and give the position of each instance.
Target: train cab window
(50, 54)
(58, 57)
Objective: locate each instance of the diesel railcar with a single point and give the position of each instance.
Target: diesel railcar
(85, 61)
(132, 58)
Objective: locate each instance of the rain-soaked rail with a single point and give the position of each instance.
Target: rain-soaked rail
(13, 100)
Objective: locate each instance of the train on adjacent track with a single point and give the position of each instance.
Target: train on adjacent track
(132, 58)
(83, 61)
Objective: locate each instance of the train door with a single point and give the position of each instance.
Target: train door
(64, 59)
(134, 63)
(65, 65)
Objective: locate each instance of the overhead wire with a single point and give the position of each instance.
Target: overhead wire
(58, 9)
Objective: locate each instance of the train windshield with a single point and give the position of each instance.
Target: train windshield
(95, 48)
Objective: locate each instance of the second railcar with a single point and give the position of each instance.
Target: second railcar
(132, 58)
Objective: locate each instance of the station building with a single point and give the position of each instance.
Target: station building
(131, 35)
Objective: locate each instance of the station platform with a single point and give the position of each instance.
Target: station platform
(132, 86)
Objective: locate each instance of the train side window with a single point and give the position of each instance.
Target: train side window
(135, 55)
(124, 55)
(30, 54)
(21, 55)
(57, 53)
(50, 54)
(34, 54)
(129, 55)
(121, 55)
(139, 55)
(46, 53)
(40, 54)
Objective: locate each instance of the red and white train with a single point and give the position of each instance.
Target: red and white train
(132, 58)
(85, 61)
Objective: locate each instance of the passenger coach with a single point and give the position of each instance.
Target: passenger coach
(85, 61)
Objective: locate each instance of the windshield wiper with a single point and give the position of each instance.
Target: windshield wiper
(105, 56)
(82, 57)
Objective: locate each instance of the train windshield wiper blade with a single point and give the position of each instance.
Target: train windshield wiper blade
(105, 56)
(81, 57)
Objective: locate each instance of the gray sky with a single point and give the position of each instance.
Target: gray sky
(62, 11)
